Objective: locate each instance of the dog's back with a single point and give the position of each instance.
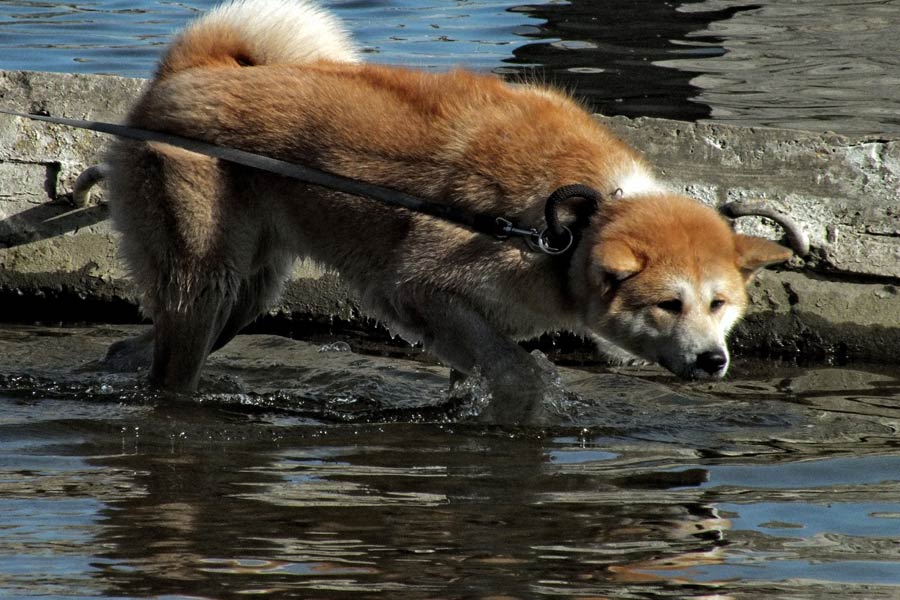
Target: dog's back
(190, 222)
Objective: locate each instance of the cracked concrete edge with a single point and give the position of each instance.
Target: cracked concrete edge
(842, 302)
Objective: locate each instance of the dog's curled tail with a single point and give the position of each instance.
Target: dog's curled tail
(258, 32)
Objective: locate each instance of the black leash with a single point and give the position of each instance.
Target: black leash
(555, 239)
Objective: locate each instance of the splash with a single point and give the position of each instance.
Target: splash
(472, 398)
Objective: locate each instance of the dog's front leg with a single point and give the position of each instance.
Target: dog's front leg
(463, 338)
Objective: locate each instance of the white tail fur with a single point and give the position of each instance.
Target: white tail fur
(260, 32)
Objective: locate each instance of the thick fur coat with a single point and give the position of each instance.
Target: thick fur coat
(209, 242)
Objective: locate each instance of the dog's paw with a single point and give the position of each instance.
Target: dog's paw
(129, 355)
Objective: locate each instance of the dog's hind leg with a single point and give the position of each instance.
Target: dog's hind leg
(184, 337)
(255, 295)
(187, 325)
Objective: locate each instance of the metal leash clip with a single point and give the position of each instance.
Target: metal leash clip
(541, 242)
(537, 241)
(506, 228)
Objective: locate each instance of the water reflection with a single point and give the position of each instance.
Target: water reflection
(167, 539)
(740, 489)
(410, 510)
(610, 53)
(222, 507)
(805, 64)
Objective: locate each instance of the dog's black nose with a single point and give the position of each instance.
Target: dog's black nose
(712, 362)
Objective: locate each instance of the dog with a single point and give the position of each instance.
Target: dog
(208, 242)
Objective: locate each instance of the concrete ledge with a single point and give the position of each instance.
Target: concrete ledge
(845, 192)
(842, 303)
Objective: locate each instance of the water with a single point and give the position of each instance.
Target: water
(808, 64)
(310, 470)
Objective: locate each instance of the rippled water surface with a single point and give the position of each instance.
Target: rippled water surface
(808, 64)
(310, 470)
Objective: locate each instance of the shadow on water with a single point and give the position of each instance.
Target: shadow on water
(305, 470)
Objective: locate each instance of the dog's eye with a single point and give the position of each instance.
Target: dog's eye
(716, 304)
(673, 306)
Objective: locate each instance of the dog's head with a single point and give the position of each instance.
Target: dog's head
(665, 277)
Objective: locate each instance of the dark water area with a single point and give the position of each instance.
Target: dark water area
(309, 470)
(807, 64)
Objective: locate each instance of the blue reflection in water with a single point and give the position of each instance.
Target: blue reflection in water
(825, 522)
(808, 474)
(806, 519)
(775, 569)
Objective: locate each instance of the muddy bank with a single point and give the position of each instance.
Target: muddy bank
(840, 304)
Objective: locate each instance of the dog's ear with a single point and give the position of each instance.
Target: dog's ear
(754, 253)
(615, 261)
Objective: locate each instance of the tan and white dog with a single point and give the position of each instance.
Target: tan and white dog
(209, 242)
